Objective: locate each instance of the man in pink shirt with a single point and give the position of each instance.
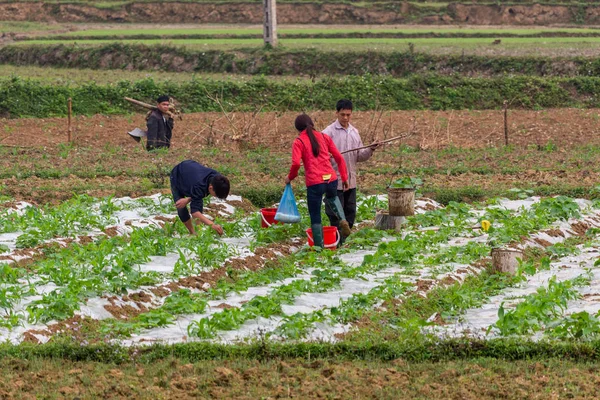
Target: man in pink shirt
(345, 137)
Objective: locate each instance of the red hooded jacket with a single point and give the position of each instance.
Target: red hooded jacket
(316, 169)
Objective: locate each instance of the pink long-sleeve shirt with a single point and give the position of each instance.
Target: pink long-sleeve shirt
(316, 169)
(347, 139)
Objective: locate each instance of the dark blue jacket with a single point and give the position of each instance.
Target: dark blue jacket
(191, 179)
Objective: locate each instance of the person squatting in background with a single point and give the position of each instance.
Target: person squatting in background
(191, 182)
(313, 149)
(345, 137)
(160, 125)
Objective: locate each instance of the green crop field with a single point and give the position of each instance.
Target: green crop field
(96, 29)
(103, 294)
(78, 76)
(510, 46)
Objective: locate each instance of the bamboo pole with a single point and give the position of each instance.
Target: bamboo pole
(380, 143)
(140, 103)
(70, 110)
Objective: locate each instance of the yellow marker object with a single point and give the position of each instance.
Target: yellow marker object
(485, 225)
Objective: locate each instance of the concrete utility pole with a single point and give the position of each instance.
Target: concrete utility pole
(270, 27)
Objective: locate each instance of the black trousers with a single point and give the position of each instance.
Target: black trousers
(348, 200)
(184, 213)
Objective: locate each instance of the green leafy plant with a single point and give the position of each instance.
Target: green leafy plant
(577, 326)
(537, 310)
(407, 183)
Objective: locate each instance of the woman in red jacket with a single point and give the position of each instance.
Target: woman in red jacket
(313, 149)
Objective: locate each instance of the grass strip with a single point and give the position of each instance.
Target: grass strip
(369, 92)
(249, 58)
(419, 351)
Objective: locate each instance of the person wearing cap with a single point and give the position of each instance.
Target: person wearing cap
(191, 182)
(345, 137)
(160, 125)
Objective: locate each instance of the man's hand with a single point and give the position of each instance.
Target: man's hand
(217, 228)
(375, 145)
(287, 180)
(181, 203)
(345, 185)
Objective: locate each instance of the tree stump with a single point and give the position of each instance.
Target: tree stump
(505, 260)
(401, 201)
(385, 221)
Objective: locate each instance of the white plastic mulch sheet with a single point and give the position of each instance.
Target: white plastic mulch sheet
(473, 321)
(311, 302)
(128, 216)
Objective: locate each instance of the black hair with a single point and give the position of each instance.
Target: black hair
(343, 104)
(163, 98)
(303, 122)
(220, 185)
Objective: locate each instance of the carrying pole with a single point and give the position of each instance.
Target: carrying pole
(380, 143)
(140, 103)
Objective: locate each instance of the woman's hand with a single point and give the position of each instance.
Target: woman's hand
(345, 185)
(287, 180)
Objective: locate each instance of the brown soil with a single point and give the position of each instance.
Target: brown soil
(141, 296)
(244, 205)
(423, 285)
(160, 291)
(165, 219)
(111, 231)
(12, 205)
(298, 13)
(315, 379)
(124, 311)
(554, 232)
(433, 129)
(85, 239)
(77, 328)
(580, 228)
(101, 141)
(542, 242)
(590, 295)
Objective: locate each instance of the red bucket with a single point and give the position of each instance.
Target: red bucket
(331, 237)
(268, 217)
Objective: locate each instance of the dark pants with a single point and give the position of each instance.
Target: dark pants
(348, 200)
(314, 198)
(184, 214)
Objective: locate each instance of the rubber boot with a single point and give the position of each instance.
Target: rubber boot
(317, 234)
(336, 207)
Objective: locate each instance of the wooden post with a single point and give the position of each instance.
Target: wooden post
(505, 260)
(270, 24)
(505, 107)
(69, 129)
(385, 221)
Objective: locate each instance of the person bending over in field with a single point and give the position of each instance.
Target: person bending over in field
(312, 149)
(345, 137)
(160, 125)
(191, 182)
